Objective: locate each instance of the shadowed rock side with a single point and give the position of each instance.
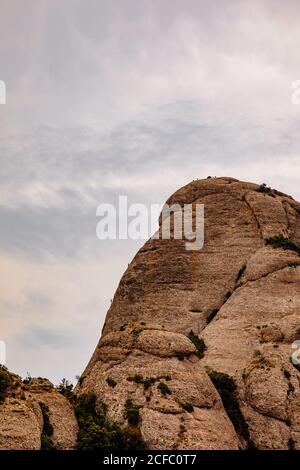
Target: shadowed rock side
(241, 295)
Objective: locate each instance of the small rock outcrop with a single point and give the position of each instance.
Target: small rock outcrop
(34, 415)
(200, 342)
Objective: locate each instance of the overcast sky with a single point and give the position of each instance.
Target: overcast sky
(124, 97)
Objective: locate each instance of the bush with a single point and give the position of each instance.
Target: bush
(5, 382)
(164, 389)
(111, 382)
(263, 188)
(66, 389)
(138, 379)
(198, 343)
(291, 444)
(97, 432)
(132, 413)
(47, 443)
(146, 381)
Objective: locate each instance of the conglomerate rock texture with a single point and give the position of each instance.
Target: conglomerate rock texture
(22, 420)
(196, 348)
(241, 295)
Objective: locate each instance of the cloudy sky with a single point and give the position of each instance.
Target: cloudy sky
(124, 97)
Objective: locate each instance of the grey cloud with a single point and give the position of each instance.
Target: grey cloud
(125, 97)
(68, 163)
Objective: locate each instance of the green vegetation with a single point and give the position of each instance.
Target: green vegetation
(260, 361)
(212, 315)
(66, 389)
(164, 389)
(251, 445)
(291, 444)
(111, 382)
(47, 443)
(136, 332)
(227, 390)
(263, 188)
(47, 433)
(132, 413)
(97, 432)
(198, 343)
(285, 243)
(5, 382)
(147, 381)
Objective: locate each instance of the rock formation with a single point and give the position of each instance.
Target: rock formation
(199, 343)
(196, 348)
(34, 415)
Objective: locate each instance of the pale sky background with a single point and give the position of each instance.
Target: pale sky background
(124, 97)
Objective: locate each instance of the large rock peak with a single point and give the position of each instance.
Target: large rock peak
(196, 348)
(199, 342)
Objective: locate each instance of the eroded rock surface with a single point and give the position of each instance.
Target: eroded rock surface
(22, 419)
(241, 295)
(196, 348)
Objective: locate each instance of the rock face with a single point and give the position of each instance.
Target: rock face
(240, 294)
(25, 410)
